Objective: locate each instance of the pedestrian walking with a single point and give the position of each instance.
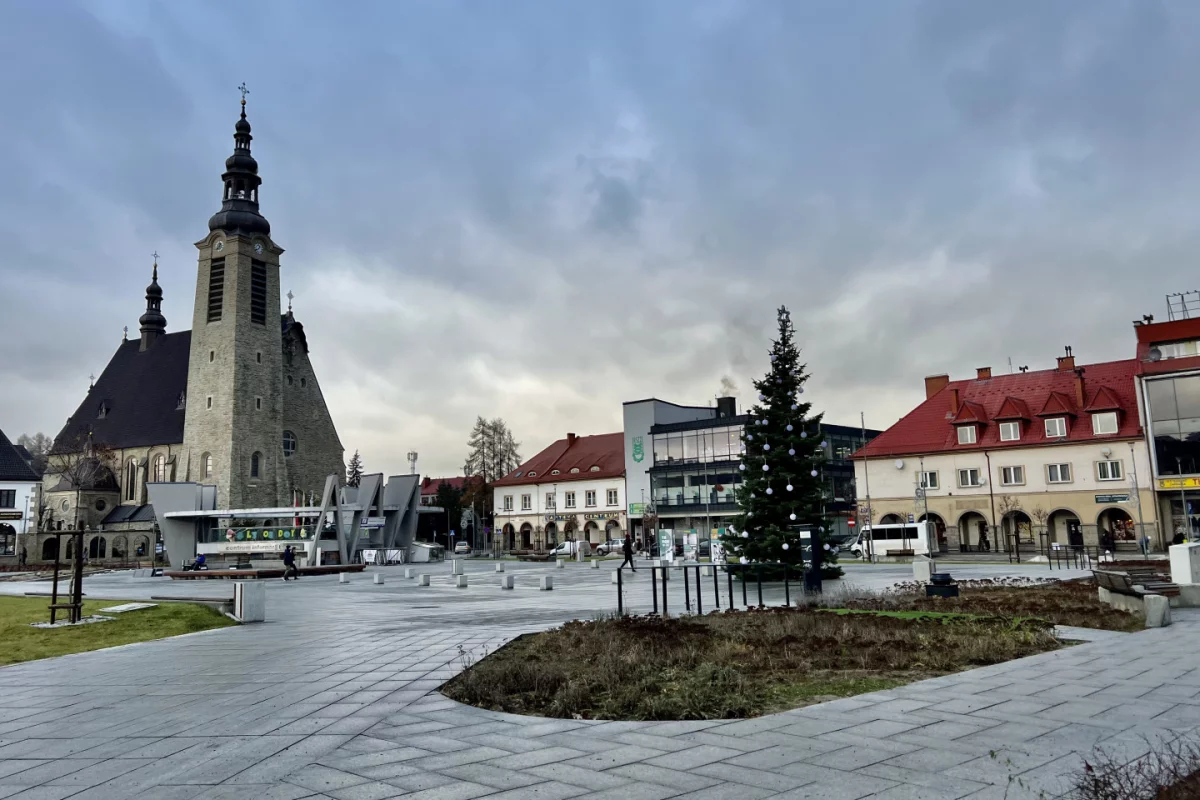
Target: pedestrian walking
(627, 548)
(289, 564)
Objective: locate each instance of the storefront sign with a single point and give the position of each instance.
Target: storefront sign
(11, 514)
(597, 516)
(251, 547)
(639, 450)
(637, 509)
(1112, 498)
(266, 534)
(1179, 483)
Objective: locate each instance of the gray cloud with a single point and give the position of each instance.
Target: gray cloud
(537, 211)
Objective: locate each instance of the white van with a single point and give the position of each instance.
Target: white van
(571, 549)
(910, 539)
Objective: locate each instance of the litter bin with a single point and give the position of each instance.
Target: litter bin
(941, 585)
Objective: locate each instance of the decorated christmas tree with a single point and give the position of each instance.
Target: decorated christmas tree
(781, 491)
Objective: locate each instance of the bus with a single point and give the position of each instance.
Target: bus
(909, 539)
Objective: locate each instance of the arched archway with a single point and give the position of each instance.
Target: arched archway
(1017, 523)
(509, 537)
(891, 519)
(1117, 523)
(50, 549)
(143, 547)
(551, 534)
(70, 547)
(938, 526)
(120, 547)
(1063, 527)
(97, 547)
(526, 536)
(973, 533)
(612, 530)
(591, 532)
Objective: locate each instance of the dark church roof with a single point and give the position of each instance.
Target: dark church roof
(12, 465)
(129, 514)
(139, 393)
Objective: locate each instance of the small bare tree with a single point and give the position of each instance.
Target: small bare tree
(1040, 515)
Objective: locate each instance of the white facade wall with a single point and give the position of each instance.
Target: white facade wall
(536, 516)
(887, 480)
(25, 503)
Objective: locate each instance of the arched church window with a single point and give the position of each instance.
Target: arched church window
(255, 465)
(206, 459)
(131, 479)
(289, 443)
(160, 469)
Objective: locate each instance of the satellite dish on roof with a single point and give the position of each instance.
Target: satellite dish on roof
(1155, 354)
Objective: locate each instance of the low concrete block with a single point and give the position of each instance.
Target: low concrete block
(422, 580)
(456, 567)
(506, 582)
(343, 577)
(614, 576)
(561, 564)
(410, 573)
(706, 572)
(923, 569)
(595, 563)
(547, 582)
(1185, 563)
(378, 579)
(460, 581)
(500, 566)
(1158, 611)
(250, 601)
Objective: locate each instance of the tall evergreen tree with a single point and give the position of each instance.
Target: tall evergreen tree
(354, 470)
(781, 492)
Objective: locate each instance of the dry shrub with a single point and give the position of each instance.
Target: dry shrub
(731, 664)
(1170, 771)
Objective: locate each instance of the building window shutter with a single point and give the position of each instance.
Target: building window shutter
(216, 289)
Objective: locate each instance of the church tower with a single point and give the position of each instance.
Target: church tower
(233, 424)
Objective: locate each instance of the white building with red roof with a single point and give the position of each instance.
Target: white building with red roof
(1056, 456)
(572, 490)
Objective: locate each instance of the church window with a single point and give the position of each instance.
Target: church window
(160, 469)
(258, 356)
(289, 380)
(303, 382)
(131, 479)
(255, 464)
(289, 443)
(258, 292)
(208, 401)
(216, 289)
(258, 404)
(101, 505)
(212, 355)
(103, 412)
(206, 460)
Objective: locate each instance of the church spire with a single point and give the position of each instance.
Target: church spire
(239, 195)
(154, 324)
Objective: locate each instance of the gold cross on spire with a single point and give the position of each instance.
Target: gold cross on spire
(244, 92)
(155, 254)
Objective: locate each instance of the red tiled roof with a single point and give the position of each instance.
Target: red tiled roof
(930, 427)
(1012, 408)
(429, 486)
(606, 451)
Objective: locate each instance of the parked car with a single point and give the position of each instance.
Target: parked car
(570, 549)
(611, 547)
(462, 548)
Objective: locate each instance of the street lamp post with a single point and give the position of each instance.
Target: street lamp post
(1186, 523)
(1137, 499)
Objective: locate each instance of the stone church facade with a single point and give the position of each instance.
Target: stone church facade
(234, 402)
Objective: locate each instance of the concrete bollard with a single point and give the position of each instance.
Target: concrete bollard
(561, 564)
(460, 581)
(595, 563)
(547, 583)
(500, 566)
(506, 582)
(614, 576)
(378, 579)
(410, 572)
(343, 577)
(422, 580)
(456, 567)
(250, 601)
(1158, 610)
(706, 572)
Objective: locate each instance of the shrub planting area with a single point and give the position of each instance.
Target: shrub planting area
(1073, 603)
(733, 664)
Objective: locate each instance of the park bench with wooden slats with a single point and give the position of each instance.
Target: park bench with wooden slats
(1127, 582)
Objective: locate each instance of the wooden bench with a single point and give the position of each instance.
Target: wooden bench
(1126, 582)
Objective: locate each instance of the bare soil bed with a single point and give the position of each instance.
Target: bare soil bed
(1073, 603)
(732, 664)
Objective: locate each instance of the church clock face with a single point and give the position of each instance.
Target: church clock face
(220, 245)
(258, 248)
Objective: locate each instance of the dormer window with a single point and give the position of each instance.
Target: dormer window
(103, 412)
(531, 475)
(1009, 431)
(554, 472)
(574, 470)
(1056, 427)
(1104, 423)
(966, 434)
(593, 469)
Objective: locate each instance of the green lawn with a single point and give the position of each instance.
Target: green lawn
(19, 642)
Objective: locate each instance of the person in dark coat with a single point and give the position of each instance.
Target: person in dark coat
(289, 564)
(627, 548)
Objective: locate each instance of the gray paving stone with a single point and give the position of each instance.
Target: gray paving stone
(663, 776)
(578, 776)
(549, 790)
(489, 775)
(848, 786)
(748, 776)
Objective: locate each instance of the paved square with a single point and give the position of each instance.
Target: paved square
(335, 697)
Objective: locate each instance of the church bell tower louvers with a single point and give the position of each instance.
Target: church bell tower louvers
(233, 421)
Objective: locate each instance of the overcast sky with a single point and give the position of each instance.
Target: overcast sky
(538, 210)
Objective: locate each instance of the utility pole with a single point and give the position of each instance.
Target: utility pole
(1137, 499)
(862, 419)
